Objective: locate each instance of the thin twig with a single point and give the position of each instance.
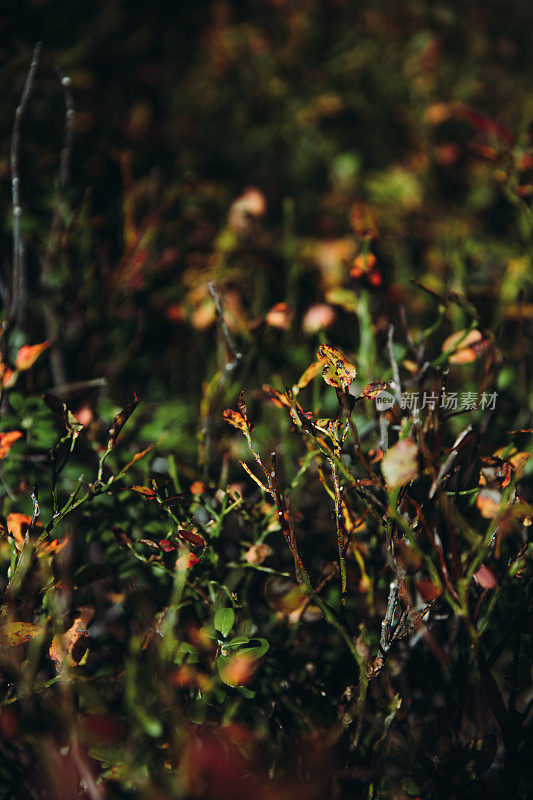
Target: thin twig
(234, 355)
(394, 364)
(17, 303)
(58, 214)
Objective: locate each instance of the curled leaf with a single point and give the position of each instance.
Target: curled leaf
(276, 398)
(338, 372)
(120, 420)
(7, 440)
(70, 648)
(63, 413)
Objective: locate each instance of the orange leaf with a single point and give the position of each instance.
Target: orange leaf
(465, 350)
(18, 525)
(187, 561)
(373, 389)
(338, 372)
(28, 355)
(136, 457)
(145, 491)
(280, 316)
(310, 373)
(7, 440)
(236, 420)
(276, 398)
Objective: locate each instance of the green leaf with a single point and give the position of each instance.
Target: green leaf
(224, 620)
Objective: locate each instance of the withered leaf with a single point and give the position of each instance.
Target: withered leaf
(62, 412)
(236, 420)
(120, 420)
(338, 372)
(374, 388)
(19, 632)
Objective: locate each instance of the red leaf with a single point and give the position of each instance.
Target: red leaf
(191, 537)
(187, 561)
(167, 546)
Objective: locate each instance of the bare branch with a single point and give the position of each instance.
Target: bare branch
(18, 288)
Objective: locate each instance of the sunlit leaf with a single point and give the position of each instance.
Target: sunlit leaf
(7, 440)
(465, 347)
(338, 372)
(374, 388)
(400, 463)
(145, 491)
(276, 398)
(186, 562)
(307, 376)
(28, 355)
(235, 419)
